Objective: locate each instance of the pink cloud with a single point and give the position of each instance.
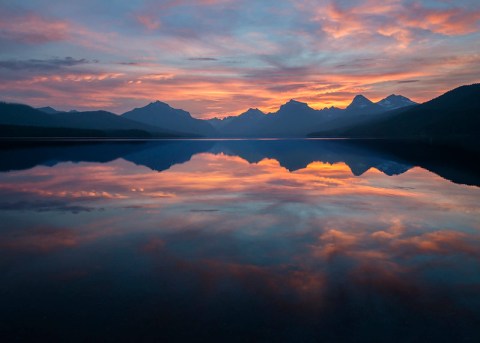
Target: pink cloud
(148, 21)
(33, 29)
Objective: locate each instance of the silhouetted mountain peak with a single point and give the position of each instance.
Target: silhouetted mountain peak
(162, 115)
(361, 105)
(359, 102)
(48, 109)
(394, 101)
(331, 109)
(162, 108)
(253, 113)
(294, 105)
(158, 104)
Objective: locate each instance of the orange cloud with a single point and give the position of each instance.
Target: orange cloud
(453, 21)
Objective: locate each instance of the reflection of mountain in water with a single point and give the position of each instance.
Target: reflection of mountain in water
(390, 158)
(298, 154)
(159, 155)
(162, 155)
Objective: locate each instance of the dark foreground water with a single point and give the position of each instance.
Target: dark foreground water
(298, 241)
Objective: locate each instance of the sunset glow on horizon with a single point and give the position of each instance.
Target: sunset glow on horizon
(221, 57)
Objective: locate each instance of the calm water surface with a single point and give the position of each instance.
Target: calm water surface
(299, 241)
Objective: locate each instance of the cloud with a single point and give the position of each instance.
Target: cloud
(394, 24)
(149, 22)
(32, 28)
(407, 81)
(40, 239)
(52, 64)
(43, 206)
(448, 21)
(202, 59)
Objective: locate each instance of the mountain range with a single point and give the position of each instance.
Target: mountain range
(297, 119)
(25, 121)
(455, 113)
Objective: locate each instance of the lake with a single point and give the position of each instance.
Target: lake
(239, 240)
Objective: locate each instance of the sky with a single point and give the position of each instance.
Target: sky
(221, 57)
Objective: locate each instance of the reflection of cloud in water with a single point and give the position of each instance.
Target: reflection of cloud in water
(38, 239)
